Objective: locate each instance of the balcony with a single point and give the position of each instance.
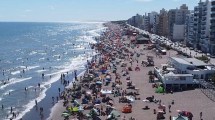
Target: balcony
(204, 18)
(202, 32)
(204, 13)
(212, 13)
(212, 29)
(203, 23)
(204, 8)
(203, 27)
(212, 34)
(212, 3)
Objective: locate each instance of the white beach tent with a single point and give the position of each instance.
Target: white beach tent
(180, 117)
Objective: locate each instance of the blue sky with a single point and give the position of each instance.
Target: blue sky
(82, 10)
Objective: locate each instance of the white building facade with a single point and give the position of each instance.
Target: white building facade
(178, 32)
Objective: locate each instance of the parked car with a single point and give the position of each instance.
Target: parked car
(199, 51)
(191, 48)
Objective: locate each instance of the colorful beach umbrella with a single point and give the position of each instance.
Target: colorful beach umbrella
(99, 82)
(75, 109)
(65, 114)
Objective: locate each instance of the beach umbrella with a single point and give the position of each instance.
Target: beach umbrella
(110, 101)
(108, 77)
(96, 105)
(115, 113)
(76, 102)
(178, 110)
(75, 109)
(70, 109)
(65, 114)
(108, 106)
(96, 79)
(160, 111)
(99, 82)
(95, 111)
(80, 108)
(180, 118)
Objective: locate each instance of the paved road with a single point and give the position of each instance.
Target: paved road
(183, 49)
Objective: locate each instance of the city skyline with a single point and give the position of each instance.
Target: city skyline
(83, 10)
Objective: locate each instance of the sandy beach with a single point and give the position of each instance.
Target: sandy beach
(114, 50)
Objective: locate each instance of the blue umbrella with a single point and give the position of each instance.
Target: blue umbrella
(99, 82)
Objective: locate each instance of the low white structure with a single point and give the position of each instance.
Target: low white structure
(183, 72)
(169, 76)
(197, 68)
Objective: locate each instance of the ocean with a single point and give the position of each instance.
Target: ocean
(28, 50)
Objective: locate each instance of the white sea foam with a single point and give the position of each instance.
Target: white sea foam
(15, 72)
(33, 52)
(56, 55)
(15, 80)
(23, 67)
(32, 67)
(18, 58)
(31, 104)
(41, 59)
(42, 53)
(7, 92)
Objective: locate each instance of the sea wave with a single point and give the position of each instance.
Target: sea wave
(15, 80)
(15, 72)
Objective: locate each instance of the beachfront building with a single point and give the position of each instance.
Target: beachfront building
(188, 30)
(171, 22)
(172, 80)
(176, 17)
(202, 25)
(212, 29)
(178, 32)
(198, 68)
(163, 23)
(155, 24)
(205, 26)
(136, 21)
(183, 72)
(180, 15)
(146, 25)
(152, 20)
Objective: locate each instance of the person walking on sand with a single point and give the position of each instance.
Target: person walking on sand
(169, 106)
(11, 109)
(200, 115)
(36, 102)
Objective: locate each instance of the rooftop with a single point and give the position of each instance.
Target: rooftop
(189, 61)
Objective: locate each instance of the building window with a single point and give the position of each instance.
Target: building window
(182, 78)
(202, 76)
